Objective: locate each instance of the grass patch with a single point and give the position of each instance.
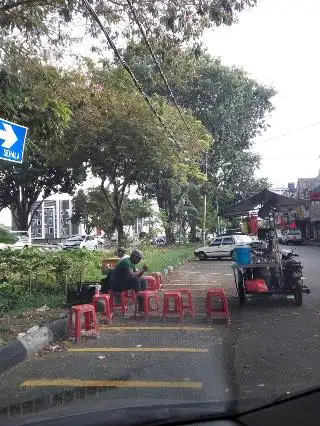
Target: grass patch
(158, 258)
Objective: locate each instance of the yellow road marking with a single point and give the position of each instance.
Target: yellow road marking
(157, 328)
(110, 383)
(192, 350)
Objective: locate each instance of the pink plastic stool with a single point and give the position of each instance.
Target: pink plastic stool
(151, 283)
(177, 298)
(91, 326)
(107, 305)
(159, 279)
(131, 295)
(189, 306)
(218, 293)
(119, 301)
(148, 297)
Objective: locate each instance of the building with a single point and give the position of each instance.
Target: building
(51, 220)
(309, 189)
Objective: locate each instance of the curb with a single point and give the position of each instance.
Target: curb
(20, 349)
(170, 269)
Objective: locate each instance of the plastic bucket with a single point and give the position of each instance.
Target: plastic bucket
(243, 255)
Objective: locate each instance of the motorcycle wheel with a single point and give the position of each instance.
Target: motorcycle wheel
(298, 297)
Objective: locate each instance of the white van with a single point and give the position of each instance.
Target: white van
(24, 239)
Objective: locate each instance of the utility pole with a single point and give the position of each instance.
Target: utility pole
(205, 200)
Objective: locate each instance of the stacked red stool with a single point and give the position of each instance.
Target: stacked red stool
(217, 293)
(149, 297)
(75, 326)
(105, 299)
(131, 295)
(159, 279)
(119, 301)
(189, 306)
(152, 283)
(176, 297)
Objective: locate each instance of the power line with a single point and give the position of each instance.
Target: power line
(317, 123)
(164, 78)
(127, 68)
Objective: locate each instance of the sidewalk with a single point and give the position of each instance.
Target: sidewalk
(199, 276)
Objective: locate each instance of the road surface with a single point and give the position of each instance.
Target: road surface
(271, 348)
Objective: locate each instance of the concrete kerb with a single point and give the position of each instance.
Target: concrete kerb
(170, 269)
(30, 343)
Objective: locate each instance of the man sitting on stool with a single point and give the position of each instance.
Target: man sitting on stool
(126, 276)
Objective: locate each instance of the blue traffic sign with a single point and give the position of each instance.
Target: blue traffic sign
(12, 141)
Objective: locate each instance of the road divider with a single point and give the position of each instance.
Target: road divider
(185, 350)
(156, 328)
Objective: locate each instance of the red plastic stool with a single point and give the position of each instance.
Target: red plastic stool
(148, 297)
(218, 293)
(177, 298)
(119, 300)
(189, 306)
(91, 326)
(151, 283)
(107, 306)
(131, 295)
(159, 279)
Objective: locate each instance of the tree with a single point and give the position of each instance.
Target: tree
(231, 105)
(178, 20)
(125, 142)
(93, 211)
(32, 102)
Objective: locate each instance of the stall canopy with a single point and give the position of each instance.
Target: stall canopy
(266, 201)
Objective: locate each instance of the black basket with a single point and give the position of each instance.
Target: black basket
(82, 294)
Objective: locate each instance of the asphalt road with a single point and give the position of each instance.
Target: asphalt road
(271, 348)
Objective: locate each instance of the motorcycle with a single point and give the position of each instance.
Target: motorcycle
(293, 275)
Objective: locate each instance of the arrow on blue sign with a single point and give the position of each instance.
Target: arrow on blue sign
(12, 141)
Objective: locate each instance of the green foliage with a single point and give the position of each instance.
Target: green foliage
(33, 102)
(47, 23)
(6, 237)
(33, 278)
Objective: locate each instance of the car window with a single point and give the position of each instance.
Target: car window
(294, 232)
(227, 241)
(216, 242)
(76, 238)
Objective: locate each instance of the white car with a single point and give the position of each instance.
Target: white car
(293, 237)
(222, 246)
(23, 239)
(81, 241)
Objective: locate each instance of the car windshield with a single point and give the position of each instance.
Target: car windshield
(172, 130)
(77, 238)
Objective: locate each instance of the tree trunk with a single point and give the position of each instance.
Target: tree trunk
(166, 204)
(193, 232)
(21, 218)
(119, 228)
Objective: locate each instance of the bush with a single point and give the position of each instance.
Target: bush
(31, 276)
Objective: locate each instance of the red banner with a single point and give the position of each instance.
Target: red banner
(314, 196)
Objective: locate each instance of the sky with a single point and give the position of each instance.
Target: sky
(277, 43)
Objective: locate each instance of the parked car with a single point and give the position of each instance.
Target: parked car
(222, 246)
(281, 237)
(81, 241)
(293, 237)
(23, 239)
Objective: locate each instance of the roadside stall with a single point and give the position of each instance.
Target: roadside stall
(262, 268)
